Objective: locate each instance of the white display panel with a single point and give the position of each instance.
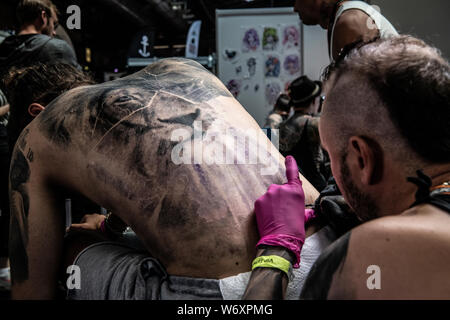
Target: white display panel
(257, 69)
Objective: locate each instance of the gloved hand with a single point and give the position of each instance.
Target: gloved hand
(337, 213)
(331, 209)
(280, 213)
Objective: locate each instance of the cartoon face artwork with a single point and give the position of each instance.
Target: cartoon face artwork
(251, 41)
(270, 39)
(272, 67)
(234, 86)
(273, 91)
(251, 65)
(292, 64)
(291, 37)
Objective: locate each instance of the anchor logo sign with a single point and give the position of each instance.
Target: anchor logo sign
(143, 52)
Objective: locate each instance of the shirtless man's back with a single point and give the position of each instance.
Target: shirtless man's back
(114, 144)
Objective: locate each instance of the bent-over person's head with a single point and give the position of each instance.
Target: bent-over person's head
(43, 14)
(387, 115)
(29, 90)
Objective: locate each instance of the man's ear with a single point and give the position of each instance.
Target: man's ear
(35, 108)
(369, 159)
(44, 18)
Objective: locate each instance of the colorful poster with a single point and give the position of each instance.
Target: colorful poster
(234, 86)
(251, 67)
(270, 39)
(291, 37)
(273, 91)
(251, 41)
(272, 67)
(291, 64)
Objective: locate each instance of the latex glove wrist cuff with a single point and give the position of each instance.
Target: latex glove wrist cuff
(291, 243)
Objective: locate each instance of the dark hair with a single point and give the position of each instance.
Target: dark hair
(28, 11)
(39, 83)
(283, 102)
(413, 80)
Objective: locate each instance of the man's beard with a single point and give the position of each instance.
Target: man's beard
(363, 204)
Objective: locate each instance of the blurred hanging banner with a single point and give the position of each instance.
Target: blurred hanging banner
(142, 44)
(193, 39)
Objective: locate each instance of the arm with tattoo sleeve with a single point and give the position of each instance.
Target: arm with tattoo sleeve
(35, 248)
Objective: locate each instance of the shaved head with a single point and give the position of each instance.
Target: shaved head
(393, 96)
(355, 108)
(397, 92)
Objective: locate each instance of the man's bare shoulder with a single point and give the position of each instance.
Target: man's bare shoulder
(353, 25)
(354, 18)
(424, 222)
(410, 253)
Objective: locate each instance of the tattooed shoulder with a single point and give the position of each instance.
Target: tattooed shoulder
(129, 105)
(20, 203)
(318, 282)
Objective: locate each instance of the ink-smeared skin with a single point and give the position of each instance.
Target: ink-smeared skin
(197, 219)
(319, 280)
(20, 203)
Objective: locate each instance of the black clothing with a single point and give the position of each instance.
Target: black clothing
(299, 137)
(439, 198)
(24, 50)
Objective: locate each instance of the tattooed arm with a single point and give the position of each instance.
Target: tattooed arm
(35, 243)
(271, 284)
(268, 283)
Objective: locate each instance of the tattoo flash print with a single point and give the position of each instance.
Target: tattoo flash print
(235, 87)
(273, 67)
(270, 39)
(273, 91)
(251, 41)
(251, 66)
(230, 55)
(291, 37)
(292, 64)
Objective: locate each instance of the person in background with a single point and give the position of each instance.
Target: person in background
(347, 21)
(299, 135)
(4, 201)
(34, 41)
(280, 112)
(5, 282)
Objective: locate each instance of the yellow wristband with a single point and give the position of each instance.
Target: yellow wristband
(275, 262)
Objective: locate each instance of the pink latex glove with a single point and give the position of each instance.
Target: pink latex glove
(280, 213)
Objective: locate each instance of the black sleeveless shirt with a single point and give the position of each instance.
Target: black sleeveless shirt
(438, 196)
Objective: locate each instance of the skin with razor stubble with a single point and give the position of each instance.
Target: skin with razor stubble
(112, 143)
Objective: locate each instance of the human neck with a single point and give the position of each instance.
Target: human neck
(29, 29)
(438, 175)
(327, 11)
(399, 195)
